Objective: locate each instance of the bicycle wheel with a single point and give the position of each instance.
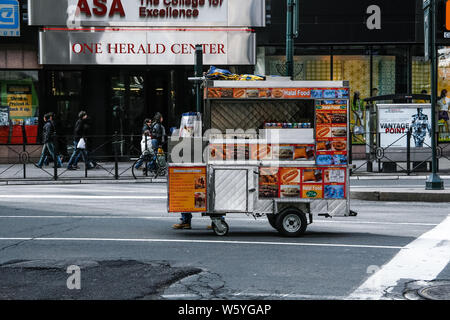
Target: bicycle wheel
(135, 172)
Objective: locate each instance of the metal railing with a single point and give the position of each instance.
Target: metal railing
(390, 158)
(113, 155)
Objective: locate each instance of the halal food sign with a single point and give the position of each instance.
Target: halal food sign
(155, 10)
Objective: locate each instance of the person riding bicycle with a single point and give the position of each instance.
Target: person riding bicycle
(146, 143)
(157, 132)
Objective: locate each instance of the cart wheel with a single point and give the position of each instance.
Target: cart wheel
(220, 227)
(272, 220)
(291, 223)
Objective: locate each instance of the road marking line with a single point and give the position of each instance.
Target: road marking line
(232, 219)
(37, 196)
(259, 295)
(425, 258)
(207, 241)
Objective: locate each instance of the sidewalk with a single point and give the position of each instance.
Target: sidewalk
(13, 175)
(399, 194)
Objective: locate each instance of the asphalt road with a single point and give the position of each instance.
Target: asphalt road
(128, 223)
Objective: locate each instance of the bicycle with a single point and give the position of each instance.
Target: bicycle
(159, 163)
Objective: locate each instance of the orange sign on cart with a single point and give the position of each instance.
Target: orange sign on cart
(187, 189)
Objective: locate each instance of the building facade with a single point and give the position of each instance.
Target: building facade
(122, 61)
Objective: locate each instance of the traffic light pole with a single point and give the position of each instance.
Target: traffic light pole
(292, 29)
(198, 73)
(290, 40)
(433, 182)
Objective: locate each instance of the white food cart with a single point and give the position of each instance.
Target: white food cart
(274, 148)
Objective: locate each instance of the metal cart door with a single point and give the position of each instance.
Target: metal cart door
(232, 190)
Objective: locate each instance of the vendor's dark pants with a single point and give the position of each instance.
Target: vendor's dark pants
(186, 217)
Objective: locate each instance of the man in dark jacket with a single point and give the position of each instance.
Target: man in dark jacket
(48, 136)
(78, 133)
(158, 131)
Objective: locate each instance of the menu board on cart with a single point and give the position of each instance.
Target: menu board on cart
(277, 93)
(187, 189)
(305, 183)
(331, 132)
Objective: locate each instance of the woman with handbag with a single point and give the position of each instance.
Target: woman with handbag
(79, 142)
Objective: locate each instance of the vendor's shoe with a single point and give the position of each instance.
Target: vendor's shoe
(182, 226)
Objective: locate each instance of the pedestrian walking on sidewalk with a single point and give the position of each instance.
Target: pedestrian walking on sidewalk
(48, 137)
(78, 134)
(443, 107)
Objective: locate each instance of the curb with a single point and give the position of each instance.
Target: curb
(78, 181)
(411, 196)
(381, 177)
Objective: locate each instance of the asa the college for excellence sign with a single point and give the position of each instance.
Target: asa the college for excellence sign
(181, 13)
(152, 47)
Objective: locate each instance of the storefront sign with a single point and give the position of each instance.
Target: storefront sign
(9, 18)
(146, 48)
(396, 119)
(19, 100)
(181, 13)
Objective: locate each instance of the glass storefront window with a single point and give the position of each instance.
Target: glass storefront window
(384, 77)
(305, 67)
(19, 106)
(355, 69)
(421, 75)
(64, 97)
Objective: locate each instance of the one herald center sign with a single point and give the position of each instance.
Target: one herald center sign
(153, 47)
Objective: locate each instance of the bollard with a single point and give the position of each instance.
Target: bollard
(116, 161)
(408, 152)
(24, 149)
(55, 160)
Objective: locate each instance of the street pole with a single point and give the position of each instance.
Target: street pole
(433, 182)
(292, 29)
(289, 40)
(198, 73)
